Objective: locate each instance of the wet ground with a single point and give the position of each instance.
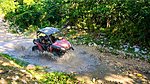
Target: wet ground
(87, 62)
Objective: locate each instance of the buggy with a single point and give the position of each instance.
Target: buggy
(45, 41)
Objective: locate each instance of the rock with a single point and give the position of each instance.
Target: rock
(136, 49)
(99, 81)
(111, 48)
(148, 72)
(68, 27)
(100, 46)
(1, 71)
(94, 44)
(3, 81)
(24, 81)
(31, 67)
(89, 44)
(143, 52)
(107, 50)
(23, 70)
(93, 80)
(5, 64)
(15, 78)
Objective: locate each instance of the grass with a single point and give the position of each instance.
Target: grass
(17, 61)
(12, 73)
(39, 75)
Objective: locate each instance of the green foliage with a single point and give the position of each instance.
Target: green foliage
(7, 6)
(123, 21)
(133, 27)
(40, 14)
(17, 61)
(59, 78)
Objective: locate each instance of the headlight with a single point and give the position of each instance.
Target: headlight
(63, 49)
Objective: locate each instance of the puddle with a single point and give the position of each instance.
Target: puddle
(82, 59)
(77, 61)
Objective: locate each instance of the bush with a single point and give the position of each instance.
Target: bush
(7, 6)
(59, 78)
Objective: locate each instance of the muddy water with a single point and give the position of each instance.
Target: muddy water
(82, 60)
(79, 60)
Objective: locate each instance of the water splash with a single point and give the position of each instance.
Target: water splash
(82, 59)
(73, 61)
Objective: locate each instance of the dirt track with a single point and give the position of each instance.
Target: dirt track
(86, 61)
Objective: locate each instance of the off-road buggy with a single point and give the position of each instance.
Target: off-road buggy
(46, 41)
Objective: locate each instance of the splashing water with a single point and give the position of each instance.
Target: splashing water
(82, 59)
(73, 61)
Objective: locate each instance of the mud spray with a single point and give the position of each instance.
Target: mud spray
(82, 60)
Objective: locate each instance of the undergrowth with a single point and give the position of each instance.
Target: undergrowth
(46, 77)
(17, 61)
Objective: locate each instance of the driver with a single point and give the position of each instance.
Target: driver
(49, 40)
(53, 39)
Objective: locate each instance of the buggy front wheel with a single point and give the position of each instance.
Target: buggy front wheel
(35, 48)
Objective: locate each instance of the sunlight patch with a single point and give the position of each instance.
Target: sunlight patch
(118, 78)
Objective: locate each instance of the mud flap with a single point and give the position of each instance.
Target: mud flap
(72, 48)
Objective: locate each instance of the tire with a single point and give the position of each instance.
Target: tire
(59, 53)
(35, 48)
